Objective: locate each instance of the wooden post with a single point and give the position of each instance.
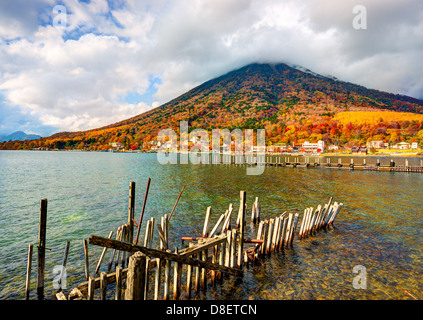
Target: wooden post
(284, 227)
(253, 212)
(91, 288)
(102, 255)
(233, 248)
(275, 234)
(118, 291)
(257, 210)
(124, 235)
(288, 229)
(293, 228)
(148, 262)
(103, 286)
(222, 258)
(222, 216)
(214, 260)
(131, 211)
(176, 203)
(228, 248)
(319, 215)
(204, 255)
(135, 281)
(300, 234)
(312, 220)
(28, 271)
(87, 262)
(167, 281)
(264, 230)
(177, 275)
(147, 234)
(157, 281)
(269, 235)
(142, 211)
(189, 277)
(65, 258)
(242, 212)
(42, 248)
(197, 276)
(207, 222)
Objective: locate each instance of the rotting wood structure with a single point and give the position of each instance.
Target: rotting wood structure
(138, 271)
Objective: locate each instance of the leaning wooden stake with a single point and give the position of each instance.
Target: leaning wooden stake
(207, 223)
(28, 271)
(102, 255)
(176, 203)
(142, 211)
(42, 248)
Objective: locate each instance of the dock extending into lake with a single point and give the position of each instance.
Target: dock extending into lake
(315, 162)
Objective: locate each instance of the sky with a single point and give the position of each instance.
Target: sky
(75, 65)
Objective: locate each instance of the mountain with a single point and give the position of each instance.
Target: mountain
(292, 103)
(20, 136)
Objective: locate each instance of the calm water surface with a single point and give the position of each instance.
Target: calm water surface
(379, 227)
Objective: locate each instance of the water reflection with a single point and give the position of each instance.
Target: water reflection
(379, 227)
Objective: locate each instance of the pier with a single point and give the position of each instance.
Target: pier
(315, 162)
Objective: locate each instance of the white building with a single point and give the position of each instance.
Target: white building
(414, 145)
(402, 146)
(314, 147)
(376, 144)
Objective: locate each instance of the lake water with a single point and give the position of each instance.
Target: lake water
(379, 227)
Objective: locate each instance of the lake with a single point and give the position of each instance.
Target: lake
(379, 227)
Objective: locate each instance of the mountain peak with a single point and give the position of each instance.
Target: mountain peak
(19, 136)
(291, 102)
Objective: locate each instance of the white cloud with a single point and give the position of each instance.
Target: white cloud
(77, 78)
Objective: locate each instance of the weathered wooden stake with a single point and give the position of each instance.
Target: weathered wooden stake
(91, 288)
(166, 286)
(135, 281)
(207, 222)
(42, 248)
(189, 277)
(87, 260)
(103, 286)
(131, 211)
(142, 211)
(177, 275)
(118, 291)
(242, 214)
(28, 271)
(102, 255)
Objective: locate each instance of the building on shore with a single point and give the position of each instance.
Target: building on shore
(314, 147)
(359, 150)
(402, 146)
(116, 145)
(375, 144)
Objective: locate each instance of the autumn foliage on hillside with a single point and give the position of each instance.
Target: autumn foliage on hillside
(293, 106)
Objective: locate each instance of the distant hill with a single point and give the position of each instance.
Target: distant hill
(292, 103)
(20, 136)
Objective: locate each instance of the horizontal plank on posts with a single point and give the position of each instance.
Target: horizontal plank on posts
(125, 246)
(200, 238)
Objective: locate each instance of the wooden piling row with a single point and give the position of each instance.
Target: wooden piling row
(177, 274)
